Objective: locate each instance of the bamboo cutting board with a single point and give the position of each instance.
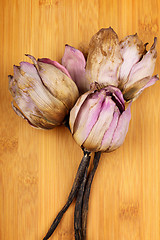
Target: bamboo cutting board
(37, 167)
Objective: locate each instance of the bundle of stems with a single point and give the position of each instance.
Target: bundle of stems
(81, 191)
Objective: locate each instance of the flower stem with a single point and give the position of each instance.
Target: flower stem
(78, 209)
(87, 193)
(76, 185)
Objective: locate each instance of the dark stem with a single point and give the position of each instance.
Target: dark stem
(77, 182)
(78, 209)
(87, 193)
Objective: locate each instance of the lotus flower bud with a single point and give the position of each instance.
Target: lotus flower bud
(104, 58)
(99, 121)
(44, 92)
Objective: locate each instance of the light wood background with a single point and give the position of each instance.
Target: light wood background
(37, 167)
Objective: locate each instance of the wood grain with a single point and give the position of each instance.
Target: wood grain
(37, 167)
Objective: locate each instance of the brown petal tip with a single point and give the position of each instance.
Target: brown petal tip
(154, 44)
(145, 45)
(32, 58)
(107, 31)
(10, 77)
(157, 76)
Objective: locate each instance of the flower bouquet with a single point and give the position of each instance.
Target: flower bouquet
(92, 97)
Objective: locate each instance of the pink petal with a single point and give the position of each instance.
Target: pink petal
(93, 141)
(132, 49)
(117, 97)
(107, 138)
(150, 83)
(74, 62)
(56, 64)
(88, 116)
(74, 111)
(144, 68)
(137, 88)
(121, 130)
(117, 91)
(29, 70)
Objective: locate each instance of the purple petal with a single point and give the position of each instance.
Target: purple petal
(26, 76)
(29, 70)
(121, 130)
(150, 83)
(88, 116)
(117, 97)
(144, 68)
(74, 62)
(137, 88)
(74, 111)
(93, 141)
(107, 138)
(56, 64)
(132, 49)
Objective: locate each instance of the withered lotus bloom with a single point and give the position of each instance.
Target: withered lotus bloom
(125, 64)
(43, 91)
(99, 121)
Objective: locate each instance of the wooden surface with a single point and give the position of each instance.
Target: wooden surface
(37, 167)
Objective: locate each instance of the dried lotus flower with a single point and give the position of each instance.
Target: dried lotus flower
(125, 64)
(44, 92)
(99, 121)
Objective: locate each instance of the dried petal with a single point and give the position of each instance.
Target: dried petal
(107, 138)
(58, 84)
(93, 141)
(144, 68)
(75, 63)
(121, 129)
(87, 116)
(117, 97)
(136, 89)
(132, 49)
(104, 58)
(74, 111)
(96, 118)
(34, 99)
(56, 64)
